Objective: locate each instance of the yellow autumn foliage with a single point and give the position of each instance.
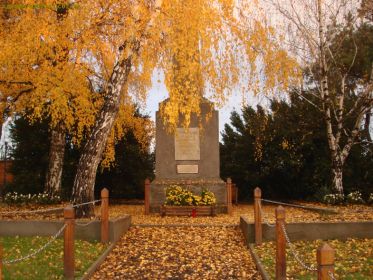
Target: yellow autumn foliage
(53, 66)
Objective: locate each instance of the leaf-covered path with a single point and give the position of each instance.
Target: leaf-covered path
(212, 252)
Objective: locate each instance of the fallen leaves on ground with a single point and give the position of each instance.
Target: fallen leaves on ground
(197, 252)
(293, 215)
(353, 258)
(179, 253)
(27, 212)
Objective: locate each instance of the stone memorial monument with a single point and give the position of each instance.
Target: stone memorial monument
(189, 157)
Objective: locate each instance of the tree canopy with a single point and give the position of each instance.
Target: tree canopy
(59, 51)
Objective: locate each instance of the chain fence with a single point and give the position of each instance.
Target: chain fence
(31, 211)
(86, 203)
(299, 206)
(41, 249)
(331, 210)
(291, 246)
(262, 214)
(25, 212)
(295, 253)
(331, 275)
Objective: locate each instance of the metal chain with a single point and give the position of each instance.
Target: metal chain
(331, 275)
(298, 206)
(54, 237)
(85, 203)
(81, 204)
(336, 211)
(46, 210)
(262, 213)
(294, 253)
(32, 211)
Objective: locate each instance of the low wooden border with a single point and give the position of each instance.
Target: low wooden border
(187, 210)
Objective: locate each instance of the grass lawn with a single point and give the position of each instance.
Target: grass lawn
(48, 264)
(353, 258)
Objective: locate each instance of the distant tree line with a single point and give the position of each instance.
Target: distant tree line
(30, 155)
(284, 151)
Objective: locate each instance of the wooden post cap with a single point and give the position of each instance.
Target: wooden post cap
(69, 212)
(104, 193)
(325, 255)
(257, 193)
(280, 213)
(147, 181)
(229, 181)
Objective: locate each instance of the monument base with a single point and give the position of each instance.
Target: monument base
(217, 186)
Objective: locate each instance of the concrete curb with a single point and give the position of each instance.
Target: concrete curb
(90, 231)
(92, 269)
(258, 263)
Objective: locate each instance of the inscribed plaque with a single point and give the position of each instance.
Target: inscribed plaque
(187, 168)
(187, 144)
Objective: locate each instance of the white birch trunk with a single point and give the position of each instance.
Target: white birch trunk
(83, 188)
(55, 166)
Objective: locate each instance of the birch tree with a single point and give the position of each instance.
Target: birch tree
(312, 29)
(46, 74)
(219, 46)
(40, 79)
(366, 9)
(215, 44)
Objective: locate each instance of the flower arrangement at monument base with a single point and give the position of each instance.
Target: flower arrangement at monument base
(182, 202)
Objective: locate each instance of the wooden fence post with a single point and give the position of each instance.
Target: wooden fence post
(325, 262)
(1, 262)
(229, 196)
(280, 244)
(68, 256)
(258, 216)
(104, 215)
(147, 194)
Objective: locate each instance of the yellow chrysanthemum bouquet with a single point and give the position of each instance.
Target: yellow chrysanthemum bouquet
(178, 196)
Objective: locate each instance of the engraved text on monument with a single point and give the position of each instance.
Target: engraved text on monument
(187, 144)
